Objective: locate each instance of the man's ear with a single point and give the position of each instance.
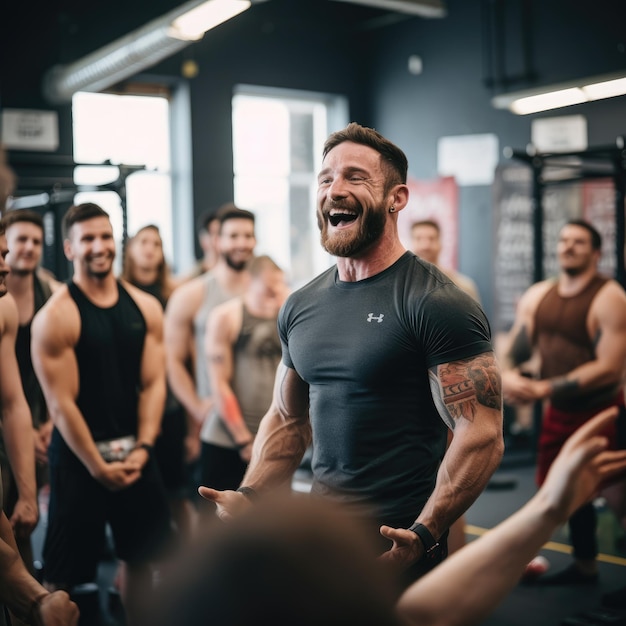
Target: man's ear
(400, 197)
(67, 249)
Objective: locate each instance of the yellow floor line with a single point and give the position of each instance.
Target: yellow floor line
(552, 545)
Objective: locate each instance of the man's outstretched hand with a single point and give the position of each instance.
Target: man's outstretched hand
(228, 503)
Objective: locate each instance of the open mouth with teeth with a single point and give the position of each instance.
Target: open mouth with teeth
(337, 218)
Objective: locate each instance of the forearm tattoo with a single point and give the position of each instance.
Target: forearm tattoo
(465, 384)
(521, 348)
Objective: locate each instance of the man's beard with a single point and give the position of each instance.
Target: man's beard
(349, 243)
(237, 266)
(576, 270)
(19, 271)
(100, 273)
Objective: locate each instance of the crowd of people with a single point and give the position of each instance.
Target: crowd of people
(173, 411)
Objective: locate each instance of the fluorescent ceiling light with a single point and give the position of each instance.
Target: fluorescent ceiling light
(562, 95)
(425, 8)
(606, 89)
(546, 101)
(192, 25)
(139, 50)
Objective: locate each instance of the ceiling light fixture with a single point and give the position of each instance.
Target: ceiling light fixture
(139, 50)
(563, 94)
(192, 25)
(424, 8)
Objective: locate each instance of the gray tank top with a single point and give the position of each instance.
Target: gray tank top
(213, 295)
(257, 353)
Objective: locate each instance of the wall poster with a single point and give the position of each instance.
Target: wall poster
(592, 200)
(436, 200)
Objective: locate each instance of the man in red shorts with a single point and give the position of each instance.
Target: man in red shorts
(577, 324)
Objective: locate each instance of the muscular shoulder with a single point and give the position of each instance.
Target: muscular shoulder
(612, 290)
(58, 318)
(186, 299)
(226, 310)
(530, 299)
(225, 319)
(8, 314)
(609, 301)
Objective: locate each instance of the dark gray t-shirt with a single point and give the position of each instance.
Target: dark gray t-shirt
(364, 348)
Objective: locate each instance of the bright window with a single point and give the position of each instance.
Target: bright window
(133, 131)
(277, 146)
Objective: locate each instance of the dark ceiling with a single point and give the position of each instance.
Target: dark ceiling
(73, 27)
(37, 34)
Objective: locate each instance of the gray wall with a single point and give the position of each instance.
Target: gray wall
(335, 47)
(569, 40)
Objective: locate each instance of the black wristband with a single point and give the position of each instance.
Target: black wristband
(250, 493)
(241, 446)
(429, 542)
(144, 446)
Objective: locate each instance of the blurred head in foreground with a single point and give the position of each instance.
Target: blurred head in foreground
(289, 560)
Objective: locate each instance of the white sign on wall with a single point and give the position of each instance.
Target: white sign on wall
(566, 133)
(471, 159)
(28, 129)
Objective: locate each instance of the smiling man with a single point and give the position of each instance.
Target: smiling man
(577, 324)
(185, 326)
(97, 348)
(381, 354)
(29, 291)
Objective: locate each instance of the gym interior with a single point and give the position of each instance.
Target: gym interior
(440, 78)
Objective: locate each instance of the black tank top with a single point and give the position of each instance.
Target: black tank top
(108, 353)
(30, 384)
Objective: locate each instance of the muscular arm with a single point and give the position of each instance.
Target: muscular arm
(18, 589)
(54, 334)
(54, 361)
(178, 335)
(468, 396)
(24, 596)
(284, 433)
(607, 324)
(223, 327)
(488, 568)
(153, 387)
(519, 342)
(17, 422)
(281, 441)
(520, 348)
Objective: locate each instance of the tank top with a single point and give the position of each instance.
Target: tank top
(256, 355)
(213, 295)
(564, 343)
(108, 355)
(154, 289)
(30, 383)
(32, 390)
(172, 404)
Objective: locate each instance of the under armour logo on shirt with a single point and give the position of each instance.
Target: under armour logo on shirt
(379, 318)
